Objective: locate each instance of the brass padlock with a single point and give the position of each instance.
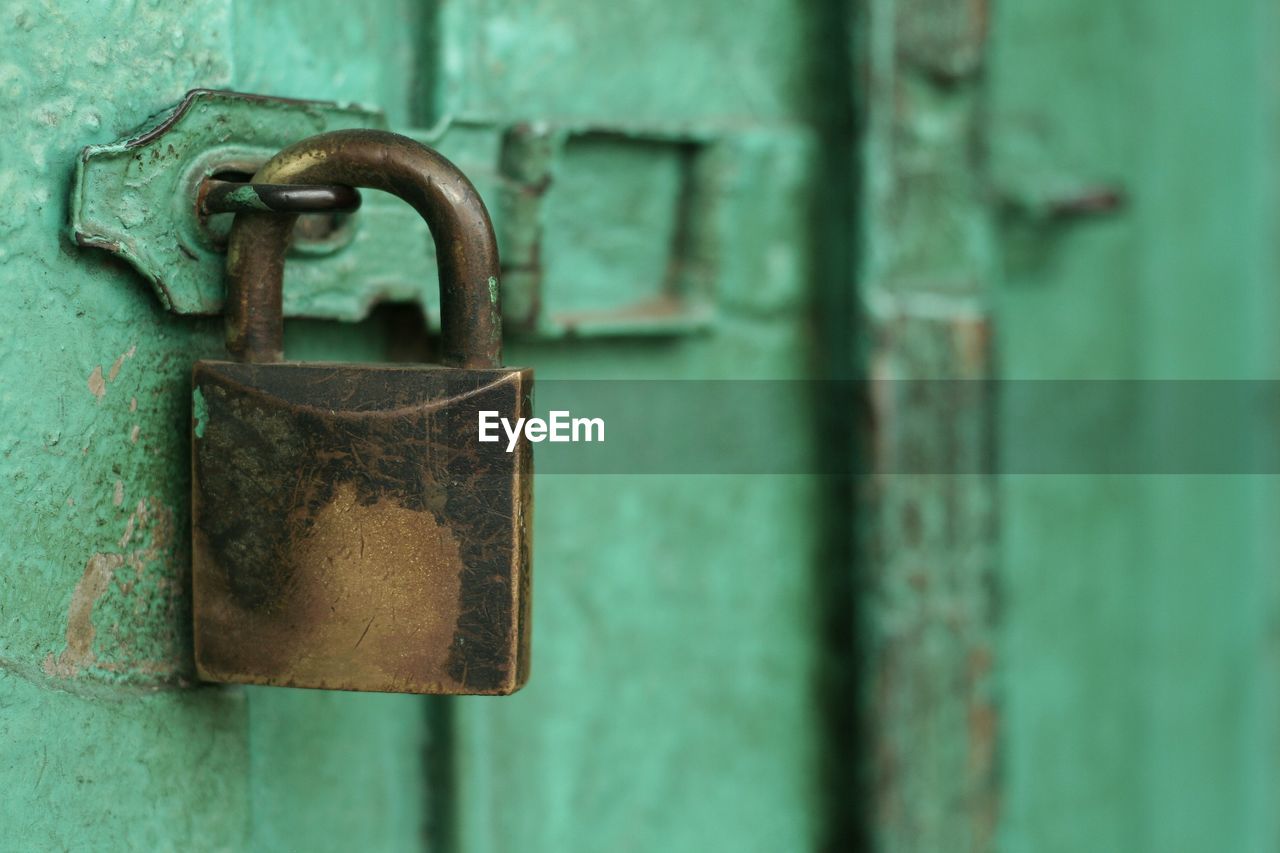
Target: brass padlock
(349, 530)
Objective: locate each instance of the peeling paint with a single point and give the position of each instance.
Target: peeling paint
(927, 543)
(200, 411)
(97, 385)
(123, 202)
(129, 572)
(128, 531)
(78, 654)
(99, 749)
(119, 362)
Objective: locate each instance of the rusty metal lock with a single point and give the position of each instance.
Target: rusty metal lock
(349, 530)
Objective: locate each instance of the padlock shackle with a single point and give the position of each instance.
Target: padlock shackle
(466, 251)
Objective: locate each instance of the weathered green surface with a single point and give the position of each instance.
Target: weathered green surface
(927, 541)
(105, 744)
(1104, 679)
(135, 198)
(129, 770)
(1139, 639)
(674, 703)
(605, 230)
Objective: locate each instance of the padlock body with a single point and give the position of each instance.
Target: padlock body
(351, 531)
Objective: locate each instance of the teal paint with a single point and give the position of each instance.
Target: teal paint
(122, 768)
(200, 412)
(674, 702)
(105, 741)
(669, 745)
(675, 697)
(132, 197)
(248, 196)
(1140, 677)
(649, 199)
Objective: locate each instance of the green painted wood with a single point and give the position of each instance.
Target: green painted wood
(1099, 678)
(1139, 641)
(675, 698)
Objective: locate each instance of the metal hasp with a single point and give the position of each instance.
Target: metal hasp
(349, 530)
(669, 197)
(139, 199)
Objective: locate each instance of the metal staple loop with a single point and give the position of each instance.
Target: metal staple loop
(466, 250)
(217, 196)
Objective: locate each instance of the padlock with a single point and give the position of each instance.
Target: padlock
(349, 529)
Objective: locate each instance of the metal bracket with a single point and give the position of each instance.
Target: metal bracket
(137, 199)
(648, 199)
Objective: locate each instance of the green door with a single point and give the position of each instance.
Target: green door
(865, 203)
(1140, 611)
(676, 701)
